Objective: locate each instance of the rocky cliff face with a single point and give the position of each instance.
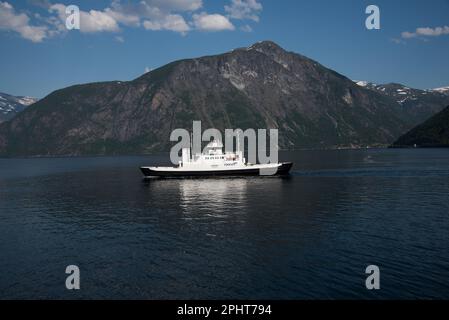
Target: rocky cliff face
(262, 86)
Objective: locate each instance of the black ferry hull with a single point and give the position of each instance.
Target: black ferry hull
(283, 169)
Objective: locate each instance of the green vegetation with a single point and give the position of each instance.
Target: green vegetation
(432, 133)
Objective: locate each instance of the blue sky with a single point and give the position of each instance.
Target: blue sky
(120, 39)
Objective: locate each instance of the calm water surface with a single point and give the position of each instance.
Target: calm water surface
(308, 236)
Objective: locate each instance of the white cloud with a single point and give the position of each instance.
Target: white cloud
(147, 69)
(244, 9)
(130, 14)
(172, 22)
(156, 14)
(97, 21)
(119, 39)
(438, 31)
(211, 22)
(426, 32)
(179, 16)
(20, 23)
(175, 5)
(124, 18)
(408, 35)
(246, 28)
(397, 41)
(90, 22)
(40, 3)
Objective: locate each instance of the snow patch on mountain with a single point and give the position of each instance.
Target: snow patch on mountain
(11, 105)
(444, 90)
(361, 83)
(405, 95)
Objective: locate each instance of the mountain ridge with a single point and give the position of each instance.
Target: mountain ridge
(419, 104)
(434, 132)
(261, 86)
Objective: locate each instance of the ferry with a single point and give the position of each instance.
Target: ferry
(213, 162)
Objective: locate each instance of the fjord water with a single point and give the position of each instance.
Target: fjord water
(308, 236)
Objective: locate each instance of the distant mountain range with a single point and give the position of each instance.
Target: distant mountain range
(11, 105)
(260, 86)
(444, 90)
(432, 133)
(418, 104)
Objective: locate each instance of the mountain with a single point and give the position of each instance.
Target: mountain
(11, 105)
(432, 133)
(417, 104)
(261, 86)
(444, 90)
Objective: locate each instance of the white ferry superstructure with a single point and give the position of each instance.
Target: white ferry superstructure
(213, 162)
